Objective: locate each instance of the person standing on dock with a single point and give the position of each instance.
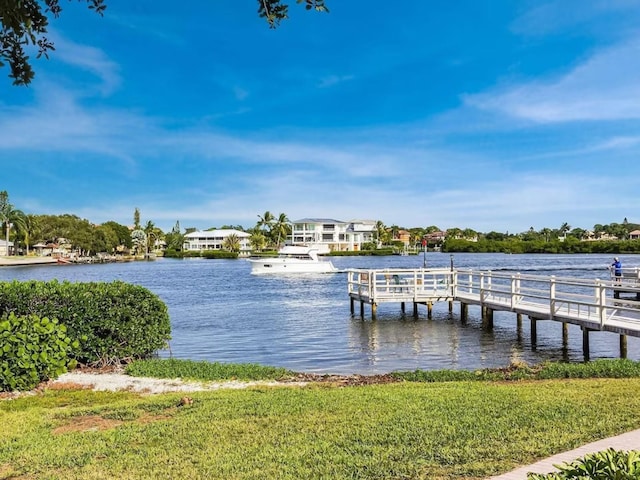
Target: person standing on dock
(617, 269)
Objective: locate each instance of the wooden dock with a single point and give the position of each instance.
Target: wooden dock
(594, 305)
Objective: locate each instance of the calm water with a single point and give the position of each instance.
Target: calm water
(220, 312)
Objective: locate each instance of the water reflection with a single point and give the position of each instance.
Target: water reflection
(220, 312)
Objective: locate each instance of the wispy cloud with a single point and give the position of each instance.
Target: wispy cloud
(60, 123)
(89, 59)
(605, 87)
(550, 16)
(332, 80)
(245, 134)
(240, 93)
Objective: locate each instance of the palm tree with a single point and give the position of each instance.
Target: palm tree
(546, 232)
(380, 232)
(257, 240)
(415, 235)
(598, 230)
(231, 243)
(453, 233)
(564, 228)
(281, 227)
(9, 217)
(395, 232)
(265, 221)
(152, 233)
(28, 229)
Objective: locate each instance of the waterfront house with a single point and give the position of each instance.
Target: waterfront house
(38, 248)
(403, 236)
(202, 240)
(634, 235)
(327, 234)
(435, 238)
(6, 249)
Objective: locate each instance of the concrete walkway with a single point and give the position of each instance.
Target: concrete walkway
(17, 261)
(626, 441)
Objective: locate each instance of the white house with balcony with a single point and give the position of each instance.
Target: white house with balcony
(201, 240)
(328, 235)
(6, 249)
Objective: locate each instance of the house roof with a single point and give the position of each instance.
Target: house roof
(368, 222)
(217, 233)
(317, 220)
(635, 232)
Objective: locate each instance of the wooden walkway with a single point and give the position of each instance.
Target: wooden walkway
(602, 305)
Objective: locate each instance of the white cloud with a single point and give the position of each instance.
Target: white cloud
(557, 15)
(605, 87)
(332, 80)
(240, 93)
(90, 59)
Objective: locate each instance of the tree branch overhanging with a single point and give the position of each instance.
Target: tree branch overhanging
(23, 25)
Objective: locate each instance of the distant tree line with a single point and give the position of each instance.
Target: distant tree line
(271, 231)
(610, 238)
(518, 245)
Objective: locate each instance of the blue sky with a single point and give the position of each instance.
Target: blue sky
(486, 114)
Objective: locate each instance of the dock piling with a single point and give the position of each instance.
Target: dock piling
(585, 343)
(534, 331)
(464, 312)
(487, 318)
(623, 346)
(590, 304)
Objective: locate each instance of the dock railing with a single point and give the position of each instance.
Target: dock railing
(630, 275)
(593, 303)
(399, 285)
(551, 297)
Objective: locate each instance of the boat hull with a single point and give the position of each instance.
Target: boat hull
(278, 265)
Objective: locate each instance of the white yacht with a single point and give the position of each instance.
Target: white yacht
(292, 259)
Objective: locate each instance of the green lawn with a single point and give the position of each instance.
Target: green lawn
(404, 430)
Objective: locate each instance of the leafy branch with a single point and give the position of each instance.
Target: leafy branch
(274, 11)
(23, 24)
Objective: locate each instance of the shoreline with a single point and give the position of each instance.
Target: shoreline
(21, 261)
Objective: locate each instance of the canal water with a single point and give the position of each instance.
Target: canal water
(220, 312)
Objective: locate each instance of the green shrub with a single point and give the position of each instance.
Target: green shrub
(114, 322)
(173, 253)
(210, 254)
(215, 254)
(32, 350)
(605, 465)
(363, 252)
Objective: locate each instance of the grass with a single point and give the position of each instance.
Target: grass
(205, 371)
(605, 368)
(418, 430)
